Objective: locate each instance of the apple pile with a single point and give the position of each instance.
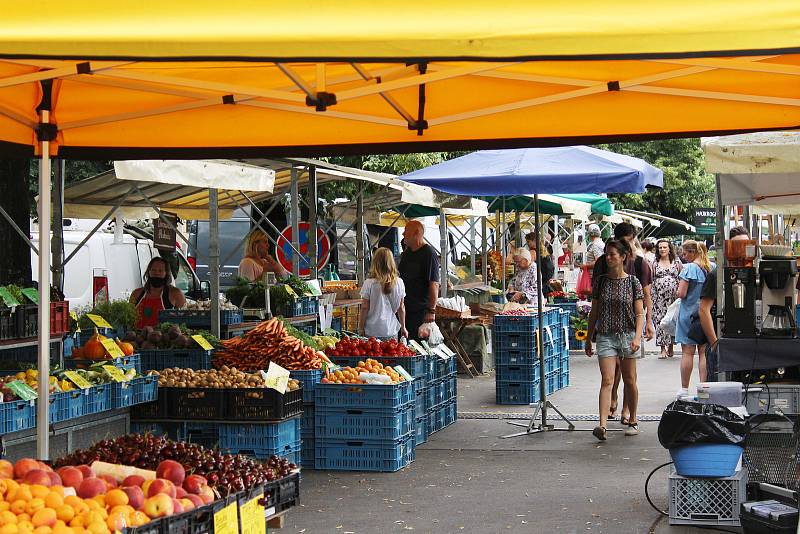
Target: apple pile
(75, 500)
(225, 473)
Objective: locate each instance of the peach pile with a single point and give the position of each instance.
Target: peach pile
(73, 500)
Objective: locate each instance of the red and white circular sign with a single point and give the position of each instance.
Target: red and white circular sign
(285, 252)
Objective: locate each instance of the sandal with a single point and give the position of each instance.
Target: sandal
(599, 432)
(633, 429)
(663, 356)
(612, 413)
(624, 421)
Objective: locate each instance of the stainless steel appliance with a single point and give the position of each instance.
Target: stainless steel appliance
(740, 298)
(778, 296)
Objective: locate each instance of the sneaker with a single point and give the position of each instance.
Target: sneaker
(683, 392)
(632, 430)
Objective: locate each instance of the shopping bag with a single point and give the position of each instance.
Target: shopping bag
(687, 423)
(584, 287)
(670, 321)
(431, 333)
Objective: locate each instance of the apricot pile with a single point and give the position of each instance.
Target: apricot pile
(350, 375)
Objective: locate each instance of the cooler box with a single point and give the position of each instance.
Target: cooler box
(729, 394)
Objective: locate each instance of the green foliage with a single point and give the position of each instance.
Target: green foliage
(120, 313)
(687, 185)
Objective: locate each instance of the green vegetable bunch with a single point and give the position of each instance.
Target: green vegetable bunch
(120, 313)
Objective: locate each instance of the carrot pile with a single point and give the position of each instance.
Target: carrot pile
(268, 342)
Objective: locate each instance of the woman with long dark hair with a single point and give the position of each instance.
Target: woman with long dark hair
(666, 269)
(157, 294)
(617, 317)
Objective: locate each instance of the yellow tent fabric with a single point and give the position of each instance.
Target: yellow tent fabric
(259, 79)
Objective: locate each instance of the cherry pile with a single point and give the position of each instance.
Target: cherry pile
(369, 347)
(227, 473)
(516, 311)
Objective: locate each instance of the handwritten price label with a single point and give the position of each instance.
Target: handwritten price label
(32, 294)
(226, 521)
(203, 342)
(276, 377)
(98, 321)
(115, 374)
(77, 379)
(8, 298)
(252, 515)
(111, 347)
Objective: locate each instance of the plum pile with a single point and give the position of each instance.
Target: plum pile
(227, 473)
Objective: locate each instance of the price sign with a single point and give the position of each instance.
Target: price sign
(8, 298)
(401, 371)
(115, 374)
(226, 521)
(32, 294)
(22, 390)
(289, 290)
(77, 379)
(98, 321)
(446, 350)
(428, 349)
(203, 342)
(252, 516)
(77, 322)
(417, 347)
(276, 377)
(112, 348)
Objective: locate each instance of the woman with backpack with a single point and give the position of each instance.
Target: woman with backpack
(689, 332)
(617, 317)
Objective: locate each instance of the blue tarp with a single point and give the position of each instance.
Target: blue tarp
(524, 171)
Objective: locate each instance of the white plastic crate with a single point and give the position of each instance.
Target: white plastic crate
(706, 501)
(772, 398)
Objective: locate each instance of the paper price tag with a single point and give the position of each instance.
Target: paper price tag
(447, 350)
(98, 321)
(77, 322)
(115, 374)
(203, 342)
(401, 371)
(226, 521)
(428, 349)
(32, 294)
(290, 290)
(8, 298)
(276, 377)
(252, 516)
(22, 390)
(111, 347)
(77, 379)
(417, 347)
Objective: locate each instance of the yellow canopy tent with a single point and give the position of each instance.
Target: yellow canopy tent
(190, 79)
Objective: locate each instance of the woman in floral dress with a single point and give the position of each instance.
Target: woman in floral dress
(666, 269)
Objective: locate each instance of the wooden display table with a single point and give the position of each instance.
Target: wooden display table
(451, 328)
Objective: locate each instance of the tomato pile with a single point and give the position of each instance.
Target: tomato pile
(369, 347)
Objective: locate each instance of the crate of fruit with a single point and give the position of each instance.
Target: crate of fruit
(349, 424)
(199, 318)
(97, 399)
(364, 455)
(353, 396)
(123, 363)
(67, 405)
(156, 360)
(145, 389)
(282, 437)
(17, 415)
(415, 365)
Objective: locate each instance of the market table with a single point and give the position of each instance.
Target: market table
(451, 328)
(744, 354)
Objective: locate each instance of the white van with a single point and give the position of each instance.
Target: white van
(103, 267)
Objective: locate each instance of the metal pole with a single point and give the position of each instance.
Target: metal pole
(518, 226)
(721, 261)
(360, 274)
(313, 253)
(503, 248)
(484, 253)
(443, 253)
(213, 257)
(540, 304)
(294, 209)
(58, 226)
(472, 234)
(43, 406)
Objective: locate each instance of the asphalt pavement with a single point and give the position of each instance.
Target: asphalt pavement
(468, 479)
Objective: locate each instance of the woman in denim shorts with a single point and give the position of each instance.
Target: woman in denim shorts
(617, 318)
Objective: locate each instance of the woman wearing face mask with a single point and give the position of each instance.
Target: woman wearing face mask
(157, 294)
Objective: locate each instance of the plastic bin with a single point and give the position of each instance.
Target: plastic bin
(8, 324)
(722, 393)
(420, 430)
(67, 405)
(515, 357)
(17, 415)
(59, 317)
(233, 404)
(351, 396)
(361, 455)
(122, 394)
(124, 363)
(518, 373)
(416, 366)
(283, 437)
(145, 389)
(97, 399)
(706, 459)
(522, 341)
(517, 392)
(706, 501)
(563, 379)
(27, 320)
(199, 318)
(156, 360)
(307, 453)
(301, 306)
(551, 382)
(359, 424)
(771, 398)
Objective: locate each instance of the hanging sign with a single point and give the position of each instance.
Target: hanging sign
(164, 234)
(285, 252)
(705, 220)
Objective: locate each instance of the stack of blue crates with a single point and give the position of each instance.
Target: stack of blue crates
(310, 379)
(518, 374)
(364, 427)
(440, 394)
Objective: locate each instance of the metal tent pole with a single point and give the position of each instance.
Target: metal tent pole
(484, 253)
(313, 253)
(360, 256)
(472, 234)
(503, 248)
(443, 253)
(213, 257)
(58, 226)
(544, 403)
(43, 406)
(294, 203)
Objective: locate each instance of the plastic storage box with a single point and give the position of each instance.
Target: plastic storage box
(723, 393)
(771, 398)
(706, 459)
(706, 501)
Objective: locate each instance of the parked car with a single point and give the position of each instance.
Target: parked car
(104, 269)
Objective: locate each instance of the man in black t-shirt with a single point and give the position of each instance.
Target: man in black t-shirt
(419, 269)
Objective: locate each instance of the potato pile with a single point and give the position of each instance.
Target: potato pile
(225, 377)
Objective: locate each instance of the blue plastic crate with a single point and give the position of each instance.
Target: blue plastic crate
(517, 392)
(172, 430)
(124, 363)
(310, 378)
(80, 338)
(278, 437)
(300, 306)
(515, 323)
(66, 406)
(563, 379)
(363, 424)
(307, 453)
(432, 395)
(307, 421)
(706, 459)
(450, 413)
(420, 399)
(551, 382)
(518, 373)
(336, 324)
(431, 368)
(416, 366)
(551, 364)
(17, 415)
(156, 360)
(382, 456)
(391, 396)
(515, 357)
(435, 421)
(205, 434)
(450, 388)
(564, 362)
(293, 454)
(308, 327)
(517, 341)
(145, 389)
(199, 318)
(97, 399)
(420, 430)
(122, 394)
